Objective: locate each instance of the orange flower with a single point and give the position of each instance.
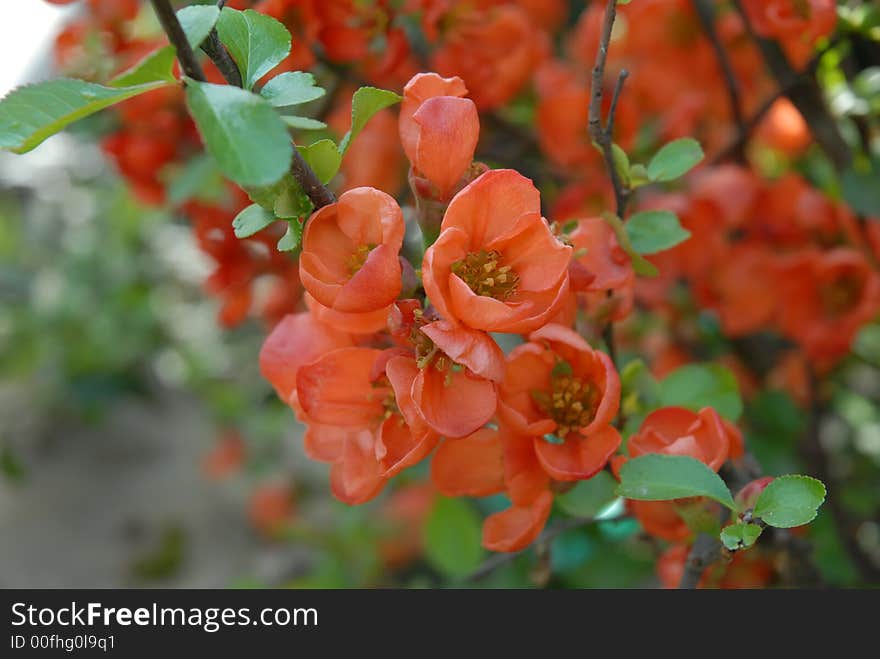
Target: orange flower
(826, 298)
(298, 339)
(271, 506)
(496, 265)
(226, 457)
(564, 395)
(494, 50)
(455, 388)
(349, 261)
(745, 570)
(438, 129)
(677, 431)
(797, 24)
(362, 419)
(470, 467)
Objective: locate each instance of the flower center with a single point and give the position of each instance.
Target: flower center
(841, 295)
(571, 402)
(483, 273)
(359, 257)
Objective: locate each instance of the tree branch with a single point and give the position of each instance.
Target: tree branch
(317, 193)
(706, 13)
(705, 551)
(177, 37)
(804, 92)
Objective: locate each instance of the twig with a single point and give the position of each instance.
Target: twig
(177, 37)
(706, 13)
(705, 551)
(814, 454)
(319, 195)
(544, 540)
(214, 49)
(804, 92)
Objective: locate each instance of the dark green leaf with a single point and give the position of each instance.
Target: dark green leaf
(703, 385)
(31, 114)
(452, 537)
(366, 102)
(241, 131)
(197, 22)
(675, 159)
(258, 43)
(252, 219)
(640, 264)
(654, 231)
(656, 477)
(291, 88)
(790, 501)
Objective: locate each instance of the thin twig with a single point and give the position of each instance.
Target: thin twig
(544, 540)
(177, 37)
(319, 195)
(215, 49)
(706, 13)
(804, 93)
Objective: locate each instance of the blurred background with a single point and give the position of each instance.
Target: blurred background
(140, 447)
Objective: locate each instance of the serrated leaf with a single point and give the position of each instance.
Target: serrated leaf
(323, 157)
(588, 498)
(197, 22)
(291, 88)
(640, 264)
(29, 115)
(291, 240)
(656, 477)
(366, 102)
(790, 501)
(654, 231)
(303, 123)
(675, 159)
(258, 43)
(452, 537)
(158, 66)
(252, 219)
(740, 535)
(696, 386)
(241, 131)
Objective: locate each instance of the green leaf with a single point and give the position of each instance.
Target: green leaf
(158, 66)
(675, 159)
(588, 498)
(197, 22)
(258, 43)
(292, 201)
(638, 175)
(859, 187)
(303, 123)
(291, 88)
(29, 115)
(241, 131)
(621, 163)
(452, 537)
(198, 178)
(252, 219)
(654, 231)
(366, 102)
(657, 477)
(291, 240)
(699, 518)
(640, 264)
(790, 501)
(740, 535)
(323, 157)
(702, 385)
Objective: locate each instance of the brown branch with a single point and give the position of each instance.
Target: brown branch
(214, 49)
(705, 10)
(804, 93)
(177, 37)
(705, 551)
(317, 193)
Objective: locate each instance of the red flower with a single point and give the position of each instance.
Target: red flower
(496, 265)
(349, 261)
